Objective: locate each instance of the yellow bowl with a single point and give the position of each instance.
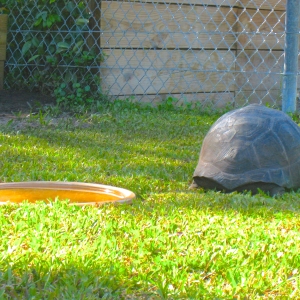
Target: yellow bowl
(78, 193)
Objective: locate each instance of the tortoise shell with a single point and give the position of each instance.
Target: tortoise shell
(251, 148)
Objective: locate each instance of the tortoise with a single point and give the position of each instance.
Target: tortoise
(250, 149)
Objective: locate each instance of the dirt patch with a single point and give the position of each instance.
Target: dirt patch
(16, 105)
(22, 102)
(20, 109)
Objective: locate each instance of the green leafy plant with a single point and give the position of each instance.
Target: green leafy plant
(168, 104)
(59, 60)
(3, 10)
(77, 94)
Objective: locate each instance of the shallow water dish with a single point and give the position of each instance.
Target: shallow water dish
(78, 193)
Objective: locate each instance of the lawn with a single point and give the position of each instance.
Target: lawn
(171, 243)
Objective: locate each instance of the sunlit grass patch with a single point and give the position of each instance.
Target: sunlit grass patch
(171, 243)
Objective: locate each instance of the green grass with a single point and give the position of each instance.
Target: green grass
(171, 243)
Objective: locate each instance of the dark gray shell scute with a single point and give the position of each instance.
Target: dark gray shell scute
(251, 145)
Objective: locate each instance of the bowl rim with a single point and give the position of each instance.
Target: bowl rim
(126, 195)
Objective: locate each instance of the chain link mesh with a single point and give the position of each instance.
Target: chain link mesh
(216, 53)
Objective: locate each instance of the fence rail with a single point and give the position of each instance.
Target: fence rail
(215, 52)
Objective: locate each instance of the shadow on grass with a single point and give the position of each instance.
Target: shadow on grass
(216, 202)
(70, 282)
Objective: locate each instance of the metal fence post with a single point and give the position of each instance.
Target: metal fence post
(289, 92)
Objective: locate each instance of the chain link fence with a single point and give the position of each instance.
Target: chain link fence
(216, 53)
